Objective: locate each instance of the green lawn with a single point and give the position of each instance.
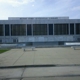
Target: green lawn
(3, 50)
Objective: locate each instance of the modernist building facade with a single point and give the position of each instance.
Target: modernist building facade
(39, 30)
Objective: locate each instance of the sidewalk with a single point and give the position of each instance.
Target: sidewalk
(40, 56)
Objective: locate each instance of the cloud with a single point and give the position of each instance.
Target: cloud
(76, 8)
(33, 5)
(39, 8)
(54, 8)
(16, 3)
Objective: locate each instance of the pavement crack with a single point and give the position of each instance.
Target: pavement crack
(22, 74)
(18, 59)
(34, 57)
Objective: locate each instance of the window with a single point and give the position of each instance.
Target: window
(61, 29)
(6, 30)
(77, 28)
(1, 30)
(39, 29)
(0, 40)
(29, 29)
(18, 29)
(71, 28)
(50, 29)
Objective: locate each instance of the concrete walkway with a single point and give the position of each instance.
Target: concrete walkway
(40, 56)
(41, 73)
(62, 56)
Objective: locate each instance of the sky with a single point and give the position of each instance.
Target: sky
(39, 8)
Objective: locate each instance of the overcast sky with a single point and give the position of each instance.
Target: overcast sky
(39, 8)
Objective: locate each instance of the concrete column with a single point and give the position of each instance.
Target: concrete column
(74, 29)
(69, 28)
(26, 29)
(3, 29)
(62, 29)
(32, 29)
(53, 29)
(47, 29)
(9, 29)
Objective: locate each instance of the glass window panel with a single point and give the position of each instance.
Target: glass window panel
(61, 29)
(77, 28)
(18, 29)
(71, 28)
(6, 30)
(39, 29)
(1, 30)
(50, 29)
(29, 29)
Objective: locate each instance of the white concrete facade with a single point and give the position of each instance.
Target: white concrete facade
(40, 38)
